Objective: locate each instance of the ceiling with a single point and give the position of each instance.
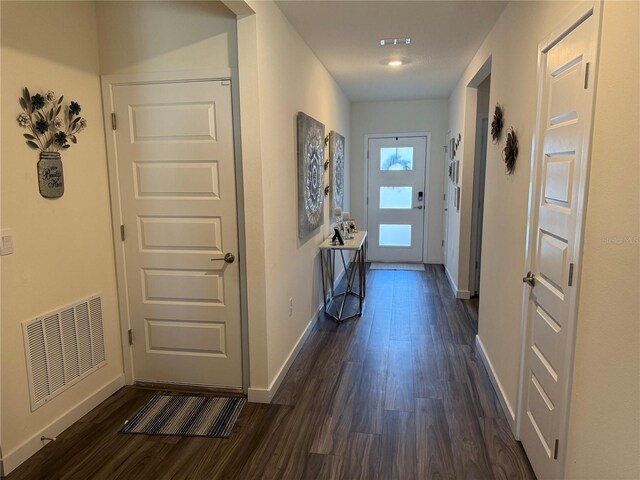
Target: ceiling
(345, 35)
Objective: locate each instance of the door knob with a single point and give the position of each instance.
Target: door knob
(530, 279)
(419, 207)
(228, 257)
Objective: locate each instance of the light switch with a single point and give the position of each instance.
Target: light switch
(6, 242)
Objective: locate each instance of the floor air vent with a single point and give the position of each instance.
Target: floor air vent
(63, 347)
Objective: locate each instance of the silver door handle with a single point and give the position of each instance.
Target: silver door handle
(228, 257)
(530, 279)
(419, 207)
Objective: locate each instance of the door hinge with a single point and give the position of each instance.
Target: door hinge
(586, 75)
(130, 332)
(444, 196)
(122, 232)
(113, 121)
(443, 243)
(555, 450)
(367, 154)
(571, 274)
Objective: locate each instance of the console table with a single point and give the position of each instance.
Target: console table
(334, 302)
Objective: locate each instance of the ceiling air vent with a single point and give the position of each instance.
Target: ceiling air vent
(63, 347)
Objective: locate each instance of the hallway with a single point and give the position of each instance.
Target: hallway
(397, 394)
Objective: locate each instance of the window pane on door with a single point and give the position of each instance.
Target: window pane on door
(396, 197)
(394, 235)
(392, 158)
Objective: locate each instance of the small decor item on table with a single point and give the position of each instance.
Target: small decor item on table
(337, 238)
(337, 213)
(346, 217)
(50, 133)
(510, 153)
(353, 226)
(496, 124)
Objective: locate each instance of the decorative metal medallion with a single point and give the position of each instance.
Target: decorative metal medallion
(496, 124)
(336, 157)
(310, 174)
(510, 152)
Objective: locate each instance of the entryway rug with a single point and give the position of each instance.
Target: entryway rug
(187, 416)
(418, 267)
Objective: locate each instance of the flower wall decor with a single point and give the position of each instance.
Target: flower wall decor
(496, 124)
(510, 152)
(52, 125)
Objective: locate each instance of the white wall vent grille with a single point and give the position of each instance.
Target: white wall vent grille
(63, 347)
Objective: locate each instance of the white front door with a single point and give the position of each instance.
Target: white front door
(176, 174)
(558, 189)
(396, 199)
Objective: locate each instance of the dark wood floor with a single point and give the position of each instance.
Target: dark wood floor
(398, 394)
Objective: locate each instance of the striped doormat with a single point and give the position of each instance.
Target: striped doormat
(187, 416)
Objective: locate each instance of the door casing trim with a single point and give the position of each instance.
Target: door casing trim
(107, 84)
(365, 220)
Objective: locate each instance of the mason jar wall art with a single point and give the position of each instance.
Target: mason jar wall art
(51, 125)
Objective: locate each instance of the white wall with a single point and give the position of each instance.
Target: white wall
(604, 428)
(63, 247)
(402, 117)
(290, 79)
(604, 425)
(142, 36)
(512, 47)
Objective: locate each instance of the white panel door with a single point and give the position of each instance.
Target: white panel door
(557, 205)
(176, 172)
(395, 199)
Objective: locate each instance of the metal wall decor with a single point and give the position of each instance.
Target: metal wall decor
(336, 172)
(496, 124)
(510, 152)
(310, 174)
(52, 125)
(455, 143)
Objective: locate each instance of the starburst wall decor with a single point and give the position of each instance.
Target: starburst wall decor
(51, 126)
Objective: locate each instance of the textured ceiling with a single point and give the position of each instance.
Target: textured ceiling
(345, 35)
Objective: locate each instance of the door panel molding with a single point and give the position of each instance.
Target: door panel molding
(108, 83)
(537, 324)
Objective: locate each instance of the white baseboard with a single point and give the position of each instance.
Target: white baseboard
(462, 294)
(265, 395)
(17, 456)
(497, 386)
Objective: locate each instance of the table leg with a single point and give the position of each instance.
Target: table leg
(348, 287)
(324, 280)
